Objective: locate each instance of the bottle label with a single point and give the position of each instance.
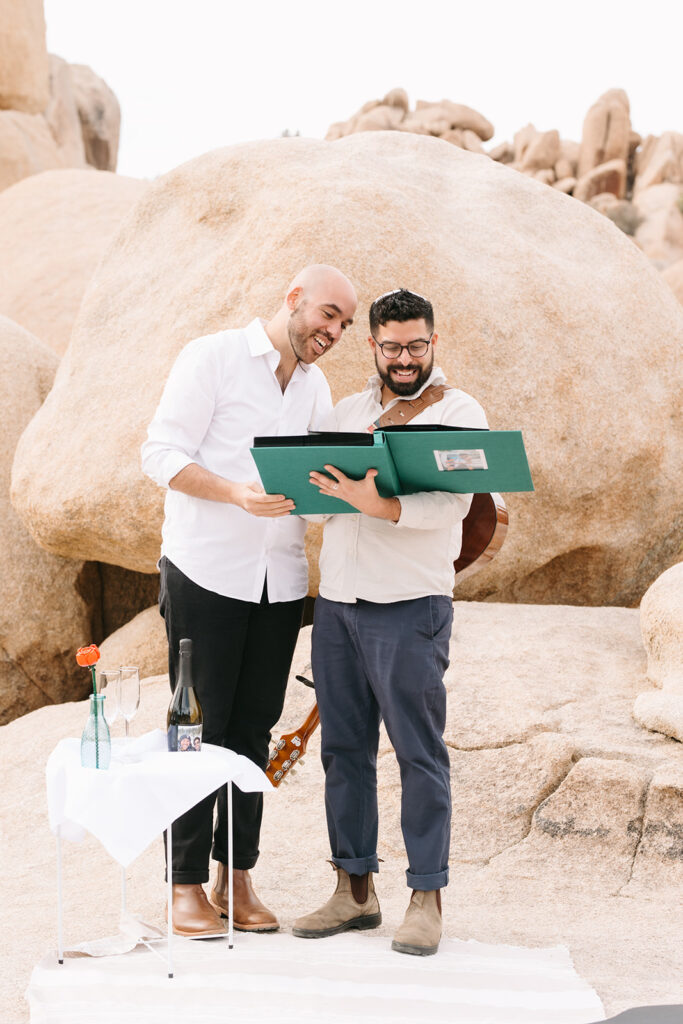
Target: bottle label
(184, 737)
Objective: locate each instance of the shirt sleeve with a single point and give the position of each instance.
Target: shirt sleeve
(430, 510)
(183, 415)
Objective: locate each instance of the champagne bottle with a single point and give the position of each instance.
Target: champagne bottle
(184, 718)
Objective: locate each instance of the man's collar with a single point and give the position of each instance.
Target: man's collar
(437, 376)
(260, 344)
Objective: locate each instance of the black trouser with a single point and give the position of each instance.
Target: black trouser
(241, 656)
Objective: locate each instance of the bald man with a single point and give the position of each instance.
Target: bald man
(233, 568)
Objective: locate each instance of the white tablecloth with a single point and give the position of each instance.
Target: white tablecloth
(144, 789)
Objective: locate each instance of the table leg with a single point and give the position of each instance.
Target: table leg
(230, 937)
(124, 906)
(169, 884)
(60, 935)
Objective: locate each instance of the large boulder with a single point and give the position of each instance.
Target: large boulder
(48, 603)
(100, 117)
(547, 314)
(673, 275)
(27, 146)
(23, 57)
(54, 228)
(661, 620)
(661, 161)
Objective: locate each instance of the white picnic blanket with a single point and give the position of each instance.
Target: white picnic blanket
(343, 979)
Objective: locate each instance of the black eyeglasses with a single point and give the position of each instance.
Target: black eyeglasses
(393, 349)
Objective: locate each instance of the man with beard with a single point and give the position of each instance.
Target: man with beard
(381, 637)
(233, 568)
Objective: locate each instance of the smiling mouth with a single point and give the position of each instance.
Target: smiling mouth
(404, 374)
(321, 343)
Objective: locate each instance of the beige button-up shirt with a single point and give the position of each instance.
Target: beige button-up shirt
(370, 559)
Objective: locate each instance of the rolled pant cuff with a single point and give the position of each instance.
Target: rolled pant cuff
(238, 863)
(426, 883)
(189, 877)
(357, 865)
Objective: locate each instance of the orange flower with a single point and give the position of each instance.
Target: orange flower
(87, 656)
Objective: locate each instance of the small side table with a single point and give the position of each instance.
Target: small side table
(138, 797)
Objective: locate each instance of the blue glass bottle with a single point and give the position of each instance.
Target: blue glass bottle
(96, 741)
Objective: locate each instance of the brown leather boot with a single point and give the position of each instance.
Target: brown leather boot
(420, 932)
(353, 905)
(193, 915)
(248, 914)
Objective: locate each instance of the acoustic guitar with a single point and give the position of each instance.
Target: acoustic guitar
(483, 532)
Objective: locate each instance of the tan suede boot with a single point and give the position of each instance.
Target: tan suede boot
(249, 914)
(421, 929)
(342, 911)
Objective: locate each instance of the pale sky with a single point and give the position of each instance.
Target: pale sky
(194, 75)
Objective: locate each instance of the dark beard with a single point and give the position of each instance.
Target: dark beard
(296, 332)
(410, 387)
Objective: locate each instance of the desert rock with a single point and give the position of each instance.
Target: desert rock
(660, 232)
(141, 642)
(574, 539)
(100, 117)
(661, 621)
(48, 601)
(542, 152)
(673, 275)
(607, 177)
(23, 57)
(62, 114)
(660, 712)
(53, 229)
(606, 132)
(27, 146)
(663, 161)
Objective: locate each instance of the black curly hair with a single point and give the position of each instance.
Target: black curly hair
(400, 305)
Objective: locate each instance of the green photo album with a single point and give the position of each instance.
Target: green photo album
(407, 459)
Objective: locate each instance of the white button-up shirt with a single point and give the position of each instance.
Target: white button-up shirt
(220, 394)
(370, 559)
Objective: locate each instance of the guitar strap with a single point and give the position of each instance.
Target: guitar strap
(406, 409)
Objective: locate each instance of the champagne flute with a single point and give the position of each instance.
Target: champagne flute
(108, 684)
(129, 693)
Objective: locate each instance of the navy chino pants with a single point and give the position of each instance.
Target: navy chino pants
(385, 661)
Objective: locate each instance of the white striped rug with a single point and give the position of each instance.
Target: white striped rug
(351, 977)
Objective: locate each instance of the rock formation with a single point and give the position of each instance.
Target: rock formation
(23, 57)
(547, 314)
(611, 157)
(661, 618)
(673, 275)
(50, 114)
(54, 228)
(141, 642)
(100, 117)
(49, 603)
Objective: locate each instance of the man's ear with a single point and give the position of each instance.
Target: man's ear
(435, 338)
(294, 297)
(372, 343)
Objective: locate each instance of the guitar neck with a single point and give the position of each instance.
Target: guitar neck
(310, 724)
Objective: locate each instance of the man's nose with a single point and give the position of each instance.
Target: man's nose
(405, 356)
